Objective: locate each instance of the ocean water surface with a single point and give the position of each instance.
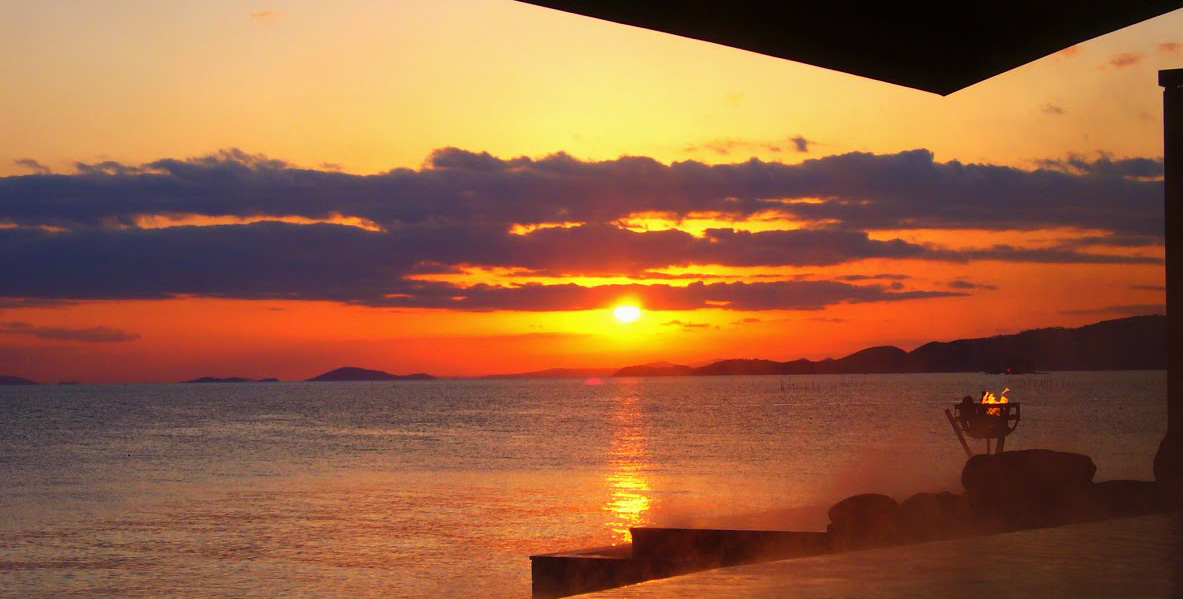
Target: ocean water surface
(444, 488)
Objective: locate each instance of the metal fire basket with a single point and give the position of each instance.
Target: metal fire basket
(989, 421)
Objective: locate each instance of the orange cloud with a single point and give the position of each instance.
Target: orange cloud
(89, 335)
(726, 147)
(164, 221)
(1125, 59)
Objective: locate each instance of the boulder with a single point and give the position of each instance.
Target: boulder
(864, 521)
(931, 516)
(1027, 488)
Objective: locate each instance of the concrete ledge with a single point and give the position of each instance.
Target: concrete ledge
(1136, 557)
(586, 570)
(714, 548)
(661, 553)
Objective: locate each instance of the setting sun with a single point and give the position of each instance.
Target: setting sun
(626, 314)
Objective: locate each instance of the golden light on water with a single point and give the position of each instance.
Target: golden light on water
(629, 503)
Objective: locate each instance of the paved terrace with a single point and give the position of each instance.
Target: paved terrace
(1126, 558)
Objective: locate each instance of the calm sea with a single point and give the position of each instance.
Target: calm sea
(443, 488)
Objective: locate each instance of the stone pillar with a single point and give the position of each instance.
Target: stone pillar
(1168, 463)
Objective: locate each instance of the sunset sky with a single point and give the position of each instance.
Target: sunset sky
(466, 187)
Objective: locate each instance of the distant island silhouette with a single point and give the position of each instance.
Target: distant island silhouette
(1135, 343)
(556, 373)
(232, 379)
(352, 373)
(658, 369)
(16, 380)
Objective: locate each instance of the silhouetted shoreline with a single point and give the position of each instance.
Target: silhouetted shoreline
(1134, 343)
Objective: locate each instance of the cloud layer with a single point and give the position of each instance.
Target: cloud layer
(77, 236)
(89, 334)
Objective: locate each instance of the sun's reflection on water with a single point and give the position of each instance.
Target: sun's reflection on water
(629, 503)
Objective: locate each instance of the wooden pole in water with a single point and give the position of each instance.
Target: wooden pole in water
(968, 452)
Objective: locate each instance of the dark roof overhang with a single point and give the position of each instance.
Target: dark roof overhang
(939, 47)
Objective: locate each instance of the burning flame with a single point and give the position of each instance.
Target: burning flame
(988, 398)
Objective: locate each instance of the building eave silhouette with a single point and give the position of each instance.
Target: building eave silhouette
(939, 47)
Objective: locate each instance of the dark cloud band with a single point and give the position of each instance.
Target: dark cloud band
(341, 263)
(853, 191)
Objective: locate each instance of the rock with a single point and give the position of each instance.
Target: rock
(930, 516)
(864, 521)
(1028, 488)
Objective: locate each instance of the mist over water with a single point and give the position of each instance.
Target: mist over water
(443, 488)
